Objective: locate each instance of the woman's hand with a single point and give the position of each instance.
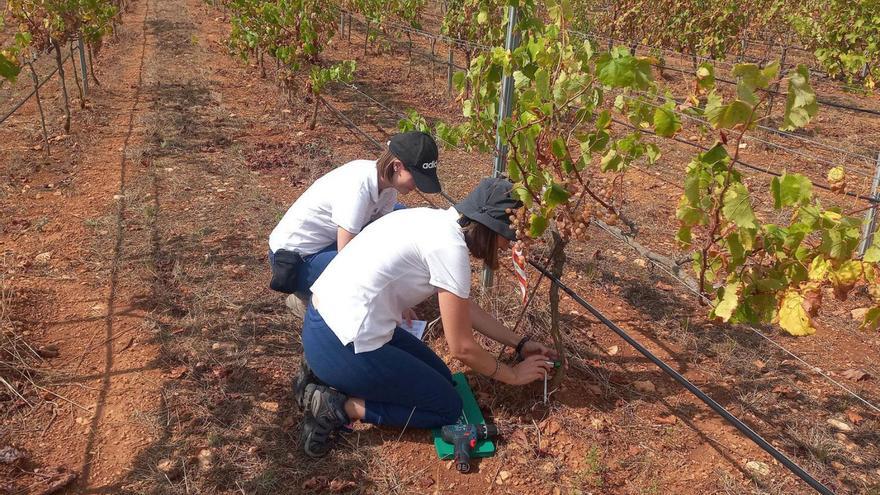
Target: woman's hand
(531, 348)
(408, 316)
(533, 368)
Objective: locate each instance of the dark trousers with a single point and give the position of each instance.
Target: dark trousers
(402, 383)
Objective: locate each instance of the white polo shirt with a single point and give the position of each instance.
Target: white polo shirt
(346, 197)
(400, 261)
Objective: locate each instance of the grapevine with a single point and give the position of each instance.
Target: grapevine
(566, 161)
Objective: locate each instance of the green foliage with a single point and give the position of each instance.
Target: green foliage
(343, 72)
(845, 37)
(44, 23)
(705, 28)
(292, 31)
(800, 104)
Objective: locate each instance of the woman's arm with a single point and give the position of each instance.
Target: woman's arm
(489, 326)
(456, 315)
(343, 237)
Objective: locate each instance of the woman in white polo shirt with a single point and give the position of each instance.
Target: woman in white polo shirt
(334, 209)
(378, 372)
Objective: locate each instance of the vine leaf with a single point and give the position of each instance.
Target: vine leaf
(666, 122)
(727, 116)
(619, 69)
(538, 224)
(8, 68)
(737, 207)
(791, 189)
(728, 301)
(555, 195)
(800, 105)
(793, 318)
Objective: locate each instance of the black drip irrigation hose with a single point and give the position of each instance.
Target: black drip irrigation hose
(690, 387)
(718, 408)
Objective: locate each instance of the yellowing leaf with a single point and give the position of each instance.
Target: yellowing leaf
(793, 318)
(819, 269)
(728, 302)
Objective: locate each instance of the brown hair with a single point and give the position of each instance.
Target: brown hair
(385, 164)
(482, 242)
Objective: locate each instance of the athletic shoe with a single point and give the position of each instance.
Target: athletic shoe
(316, 439)
(297, 304)
(327, 406)
(304, 377)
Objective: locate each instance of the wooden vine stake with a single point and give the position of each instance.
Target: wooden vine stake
(60, 64)
(79, 88)
(557, 263)
(92, 65)
(40, 106)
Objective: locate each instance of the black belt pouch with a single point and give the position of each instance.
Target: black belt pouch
(284, 270)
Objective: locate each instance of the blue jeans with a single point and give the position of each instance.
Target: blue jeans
(312, 267)
(402, 383)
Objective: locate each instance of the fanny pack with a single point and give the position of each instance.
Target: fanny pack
(284, 270)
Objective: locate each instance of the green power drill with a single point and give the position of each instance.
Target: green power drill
(463, 438)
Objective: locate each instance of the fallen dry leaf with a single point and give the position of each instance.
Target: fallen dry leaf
(855, 417)
(666, 420)
(338, 486)
(855, 375)
(177, 372)
(518, 437)
(613, 350)
(314, 482)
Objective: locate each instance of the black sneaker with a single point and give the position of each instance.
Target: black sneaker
(327, 406)
(316, 439)
(304, 377)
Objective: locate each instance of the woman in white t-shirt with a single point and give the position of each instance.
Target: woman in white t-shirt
(334, 209)
(378, 372)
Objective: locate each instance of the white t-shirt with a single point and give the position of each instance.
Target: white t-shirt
(400, 261)
(346, 197)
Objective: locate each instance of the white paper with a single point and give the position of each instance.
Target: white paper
(417, 329)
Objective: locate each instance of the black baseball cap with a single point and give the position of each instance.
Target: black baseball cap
(488, 204)
(418, 153)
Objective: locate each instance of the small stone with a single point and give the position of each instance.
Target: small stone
(613, 350)
(10, 455)
(758, 468)
(48, 351)
(269, 406)
(166, 466)
(839, 425)
(840, 436)
(838, 466)
(43, 258)
(858, 314)
(206, 458)
(224, 347)
(640, 263)
(505, 475)
(644, 386)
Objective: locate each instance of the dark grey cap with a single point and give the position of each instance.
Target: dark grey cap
(487, 203)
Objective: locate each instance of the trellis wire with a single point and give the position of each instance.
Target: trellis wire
(33, 92)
